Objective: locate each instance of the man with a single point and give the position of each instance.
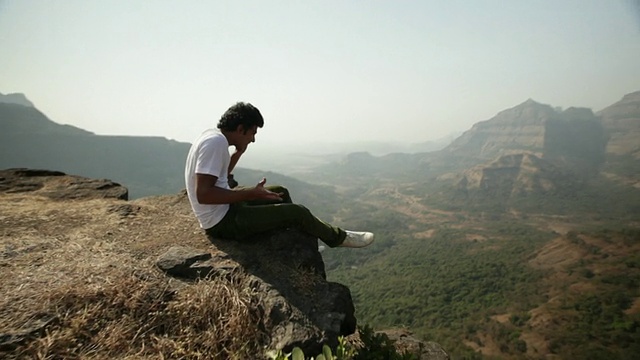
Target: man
(242, 212)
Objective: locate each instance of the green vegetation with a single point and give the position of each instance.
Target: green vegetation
(453, 287)
(373, 346)
(447, 287)
(599, 196)
(596, 323)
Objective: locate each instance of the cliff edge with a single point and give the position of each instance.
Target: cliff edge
(85, 273)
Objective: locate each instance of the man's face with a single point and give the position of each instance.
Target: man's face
(248, 136)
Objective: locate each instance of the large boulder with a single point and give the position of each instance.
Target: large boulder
(300, 307)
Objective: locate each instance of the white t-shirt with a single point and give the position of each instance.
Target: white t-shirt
(209, 154)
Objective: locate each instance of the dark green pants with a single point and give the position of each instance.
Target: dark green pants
(252, 217)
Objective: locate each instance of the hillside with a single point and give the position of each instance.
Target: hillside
(507, 286)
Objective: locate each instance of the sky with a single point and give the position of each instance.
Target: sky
(319, 71)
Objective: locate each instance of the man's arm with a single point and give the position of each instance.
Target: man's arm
(235, 157)
(208, 193)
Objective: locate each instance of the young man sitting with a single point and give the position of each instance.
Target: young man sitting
(242, 212)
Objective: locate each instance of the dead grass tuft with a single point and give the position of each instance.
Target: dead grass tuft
(139, 317)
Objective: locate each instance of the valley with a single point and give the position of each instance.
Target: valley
(495, 286)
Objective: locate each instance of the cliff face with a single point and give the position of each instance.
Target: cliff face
(572, 138)
(515, 174)
(511, 182)
(520, 128)
(622, 123)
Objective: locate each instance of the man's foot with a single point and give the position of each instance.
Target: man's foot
(357, 239)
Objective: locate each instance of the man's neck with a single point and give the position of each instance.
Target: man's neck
(230, 136)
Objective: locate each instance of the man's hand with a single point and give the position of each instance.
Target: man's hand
(208, 193)
(240, 149)
(236, 156)
(265, 194)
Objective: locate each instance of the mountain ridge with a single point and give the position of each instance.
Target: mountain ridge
(15, 98)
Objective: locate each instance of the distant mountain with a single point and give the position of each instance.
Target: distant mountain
(19, 119)
(573, 138)
(531, 156)
(622, 122)
(15, 98)
(145, 165)
(534, 157)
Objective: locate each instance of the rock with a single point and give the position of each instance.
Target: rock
(57, 185)
(300, 307)
(124, 210)
(191, 264)
(35, 328)
(405, 342)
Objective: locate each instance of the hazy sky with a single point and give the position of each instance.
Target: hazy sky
(318, 70)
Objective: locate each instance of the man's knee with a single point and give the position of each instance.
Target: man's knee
(283, 191)
(304, 211)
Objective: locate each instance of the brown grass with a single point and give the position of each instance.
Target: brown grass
(140, 316)
(78, 281)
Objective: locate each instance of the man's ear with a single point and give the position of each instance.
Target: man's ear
(240, 129)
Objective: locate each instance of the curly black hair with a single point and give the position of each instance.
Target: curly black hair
(243, 114)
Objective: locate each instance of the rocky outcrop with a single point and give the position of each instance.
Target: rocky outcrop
(517, 174)
(77, 267)
(299, 306)
(58, 186)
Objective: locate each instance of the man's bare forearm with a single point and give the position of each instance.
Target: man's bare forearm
(233, 160)
(216, 195)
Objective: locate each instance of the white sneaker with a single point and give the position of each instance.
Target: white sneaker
(357, 239)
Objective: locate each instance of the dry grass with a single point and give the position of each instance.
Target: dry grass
(77, 281)
(140, 316)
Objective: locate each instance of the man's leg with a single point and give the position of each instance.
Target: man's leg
(253, 217)
(244, 220)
